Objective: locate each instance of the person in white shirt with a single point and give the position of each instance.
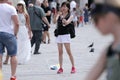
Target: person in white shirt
(73, 5)
(9, 26)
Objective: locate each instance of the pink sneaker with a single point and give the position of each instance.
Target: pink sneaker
(60, 71)
(73, 70)
(13, 78)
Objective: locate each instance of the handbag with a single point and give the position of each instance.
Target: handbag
(56, 33)
(71, 29)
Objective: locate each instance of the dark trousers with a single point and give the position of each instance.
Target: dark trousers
(36, 39)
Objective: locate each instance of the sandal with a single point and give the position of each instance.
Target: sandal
(60, 71)
(48, 41)
(43, 42)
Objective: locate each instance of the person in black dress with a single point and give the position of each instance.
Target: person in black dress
(47, 10)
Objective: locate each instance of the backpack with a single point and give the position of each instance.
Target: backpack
(71, 27)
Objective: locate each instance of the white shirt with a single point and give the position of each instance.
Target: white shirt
(6, 24)
(73, 5)
(53, 4)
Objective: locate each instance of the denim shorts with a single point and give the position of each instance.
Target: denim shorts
(9, 42)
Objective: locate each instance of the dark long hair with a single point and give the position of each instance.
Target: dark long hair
(67, 4)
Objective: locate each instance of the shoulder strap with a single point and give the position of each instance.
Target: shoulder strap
(68, 16)
(34, 9)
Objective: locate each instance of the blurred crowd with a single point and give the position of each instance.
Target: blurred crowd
(27, 24)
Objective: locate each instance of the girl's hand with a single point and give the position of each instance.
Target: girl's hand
(59, 13)
(64, 21)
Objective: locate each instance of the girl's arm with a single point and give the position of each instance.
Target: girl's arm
(66, 22)
(28, 26)
(98, 69)
(48, 13)
(56, 17)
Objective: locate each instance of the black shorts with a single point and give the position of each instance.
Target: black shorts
(45, 28)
